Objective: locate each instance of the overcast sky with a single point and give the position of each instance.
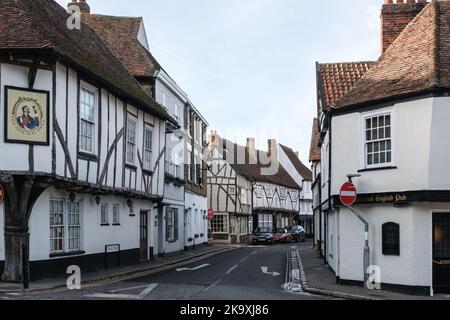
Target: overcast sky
(249, 65)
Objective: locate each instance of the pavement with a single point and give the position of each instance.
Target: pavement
(317, 278)
(238, 273)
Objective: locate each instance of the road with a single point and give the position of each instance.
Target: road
(247, 273)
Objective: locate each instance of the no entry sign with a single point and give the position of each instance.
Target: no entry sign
(348, 194)
(210, 214)
(2, 193)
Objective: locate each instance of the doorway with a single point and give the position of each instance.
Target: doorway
(441, 252)
(143, 236)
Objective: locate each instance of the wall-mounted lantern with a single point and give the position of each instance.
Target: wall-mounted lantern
(97, 200)
(72, 196)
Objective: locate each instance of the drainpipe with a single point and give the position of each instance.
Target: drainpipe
(366, 261)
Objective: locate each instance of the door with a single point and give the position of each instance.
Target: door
(441, 252)
(144, 236)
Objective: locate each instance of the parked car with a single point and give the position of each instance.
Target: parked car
(282, 235)
(298, 233)
(262, 235)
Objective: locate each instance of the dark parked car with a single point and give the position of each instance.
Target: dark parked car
(262, 235)
(282, 235)
(298, 233)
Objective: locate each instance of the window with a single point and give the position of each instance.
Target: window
(177, 112)
(259, 191)
(219, 223)
(116, 214)
(148, 146)
(73, 225)
(265, 221)
(104, 214)
(171, 224)
(284, 222)
(269, 191)
(232, 190)
(164, 99)
(283, 193)
(294, 195)
(65, 226)
(131, 140)
(87, 120)
(378, 145)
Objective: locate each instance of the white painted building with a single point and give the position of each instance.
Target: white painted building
(392, 133)
(181, 217)
(89, 193)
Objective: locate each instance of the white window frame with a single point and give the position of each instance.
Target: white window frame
(66, 226)
(271, 193)
(363, 157)
(232, 190)
(165, 99)
(283, 193)
(93, 91)
(177, 112)
(116, 214)
(171, 212)
(266, 221)
(148, 150)
(131, 118)
(104, 214)
(244, 198)
(224, 224)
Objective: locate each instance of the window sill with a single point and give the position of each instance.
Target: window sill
(116, 224)
(378, 169)
(147, 171)
(130, 166)
(66, 254)
(87, 156)
(105, 225)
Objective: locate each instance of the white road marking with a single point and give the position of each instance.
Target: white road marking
(265, 270)
(231, 269)
(131, 288)
(243, 260)
(193, 269)
(13, 294)
(254, 252)
(140, 296)
(213, 285)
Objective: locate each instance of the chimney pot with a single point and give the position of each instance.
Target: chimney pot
(82, 4)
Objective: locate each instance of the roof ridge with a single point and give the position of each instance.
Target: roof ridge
(435, 60)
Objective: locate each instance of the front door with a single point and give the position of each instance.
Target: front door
(441, 252)
(144, 236)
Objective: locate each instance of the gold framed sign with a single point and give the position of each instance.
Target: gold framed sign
(27, 115)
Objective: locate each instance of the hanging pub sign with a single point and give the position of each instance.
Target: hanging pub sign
(26, 116)
(2, 193)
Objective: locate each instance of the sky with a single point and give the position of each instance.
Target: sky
(249, 65)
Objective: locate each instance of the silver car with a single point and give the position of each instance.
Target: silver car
(298, 234)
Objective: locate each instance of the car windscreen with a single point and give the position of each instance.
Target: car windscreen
(263, 230)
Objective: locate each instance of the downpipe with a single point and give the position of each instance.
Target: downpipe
(366, 261)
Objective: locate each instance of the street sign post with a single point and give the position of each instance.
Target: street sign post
(348, 194)
(210, 214)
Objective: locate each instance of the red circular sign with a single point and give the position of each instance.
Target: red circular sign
(210, 214)
(348, 194)
(2, 193)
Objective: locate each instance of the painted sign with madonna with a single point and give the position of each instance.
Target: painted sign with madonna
(26, 116)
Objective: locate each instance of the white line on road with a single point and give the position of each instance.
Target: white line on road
(254, 252)
(231, 269)
(265, 270)
(193, 269)
(140, 296)
(131, 288)
(243, 260)
(213, 285)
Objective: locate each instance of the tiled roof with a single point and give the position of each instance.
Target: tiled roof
(253, 172)
(120, 34)
(42, 25)
(299, 166)
(337, 79)
(314, 152)
(417, 62)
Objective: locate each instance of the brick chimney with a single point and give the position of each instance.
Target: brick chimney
(82, 4)
(395, 16)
